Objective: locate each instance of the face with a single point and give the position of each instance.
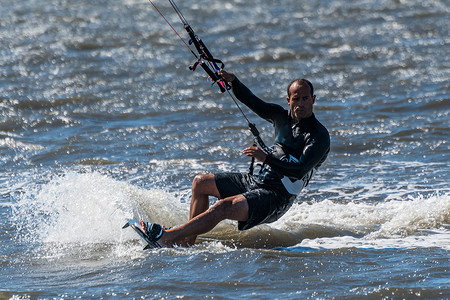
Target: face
(301, 102)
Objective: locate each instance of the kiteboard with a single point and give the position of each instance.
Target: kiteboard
(134, 223)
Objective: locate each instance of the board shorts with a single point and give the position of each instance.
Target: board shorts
(267, 201)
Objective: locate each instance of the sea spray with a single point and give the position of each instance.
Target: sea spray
(86, 208)
(417, 222)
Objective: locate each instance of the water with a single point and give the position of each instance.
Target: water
(101, 120)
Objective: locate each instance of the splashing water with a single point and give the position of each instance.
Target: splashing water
(90, 209)
(83, 208)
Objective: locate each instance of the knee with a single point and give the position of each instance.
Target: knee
(205, 184)
(221, 208)
(201, 180)
(233, 208)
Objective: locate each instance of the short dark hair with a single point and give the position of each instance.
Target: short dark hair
(301, 81)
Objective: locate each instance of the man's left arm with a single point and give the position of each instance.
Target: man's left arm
(313, 155)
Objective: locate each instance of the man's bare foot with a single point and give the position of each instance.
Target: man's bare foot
(143, 225)
(157, 233)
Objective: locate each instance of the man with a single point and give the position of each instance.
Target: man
(301, 145)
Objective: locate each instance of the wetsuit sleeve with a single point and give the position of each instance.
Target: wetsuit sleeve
(267, 111)
(314, 154)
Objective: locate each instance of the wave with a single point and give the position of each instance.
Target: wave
(90, 209)
(393, 218)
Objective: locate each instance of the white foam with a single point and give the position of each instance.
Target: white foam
(420, 221)
(84, 208)
(91, 208)
(432, 239)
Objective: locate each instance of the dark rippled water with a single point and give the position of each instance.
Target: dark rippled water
(101, 120)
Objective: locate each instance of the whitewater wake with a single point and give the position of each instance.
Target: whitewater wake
(90, 208)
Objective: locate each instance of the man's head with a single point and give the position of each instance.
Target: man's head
(301, 99)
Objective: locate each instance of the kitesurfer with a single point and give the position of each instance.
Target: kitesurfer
(301, 146)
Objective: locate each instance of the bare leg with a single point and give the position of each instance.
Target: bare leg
(233, 208)
(203, 186)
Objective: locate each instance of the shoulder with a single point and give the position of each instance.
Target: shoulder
(278, 109)
(321, 132)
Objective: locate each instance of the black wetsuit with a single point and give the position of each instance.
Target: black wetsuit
(299, 149)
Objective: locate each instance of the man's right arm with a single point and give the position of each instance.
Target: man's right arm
(263, 109)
